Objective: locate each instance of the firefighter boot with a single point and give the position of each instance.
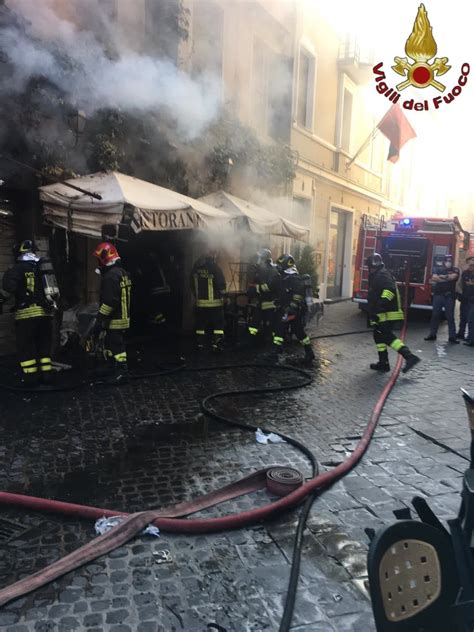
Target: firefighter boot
(218, 344)
(410, 359)
(120, 373)
(383, 364)
(308, 355)
(29, 380)
(271, 357)
(46, 378)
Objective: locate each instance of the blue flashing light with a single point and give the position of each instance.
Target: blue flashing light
(406, 221)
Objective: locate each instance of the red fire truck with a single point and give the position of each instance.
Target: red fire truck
(416, 240)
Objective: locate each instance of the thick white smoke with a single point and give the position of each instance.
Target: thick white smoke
(128, 81)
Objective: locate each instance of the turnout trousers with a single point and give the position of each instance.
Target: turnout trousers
(262, 321)
(33, 341)
(384, 337)
(114, 345)
(210, 321)
(297, 327)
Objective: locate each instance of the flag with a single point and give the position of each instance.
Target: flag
(396, 127)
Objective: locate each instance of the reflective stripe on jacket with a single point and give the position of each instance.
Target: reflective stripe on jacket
(383, 297)
(114, 301)
(24, 281)
(207, 284)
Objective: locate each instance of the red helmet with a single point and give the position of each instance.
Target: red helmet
(106, 254)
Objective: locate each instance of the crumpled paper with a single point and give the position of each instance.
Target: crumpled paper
(103, 525)
(271, 437)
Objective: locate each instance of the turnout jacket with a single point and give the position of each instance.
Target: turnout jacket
(265, 285)
(114, 299)
(25, 282)
(383, 299)
(207, 283)
(291, 294)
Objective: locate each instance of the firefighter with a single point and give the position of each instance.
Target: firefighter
(33, 314)
(208, 286)
(151, 291)
(291, 308)
(263, 290)
(385, 309)
(113, 316)
(444, 279)
(465, 297)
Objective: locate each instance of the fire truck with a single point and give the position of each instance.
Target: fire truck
(412, 242)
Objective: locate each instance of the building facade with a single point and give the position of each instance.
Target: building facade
(287, 74)
(330, 124)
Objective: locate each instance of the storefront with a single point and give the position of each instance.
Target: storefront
(150, 222)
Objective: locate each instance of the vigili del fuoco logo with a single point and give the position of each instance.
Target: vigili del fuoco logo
(420, 48)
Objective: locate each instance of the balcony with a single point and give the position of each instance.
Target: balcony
(355, 60)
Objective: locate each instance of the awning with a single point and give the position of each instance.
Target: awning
(258, 219)
(153, 208)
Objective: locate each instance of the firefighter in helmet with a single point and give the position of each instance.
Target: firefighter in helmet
(33, 313)
(262, 292)
(291, 307)
(208, 286)
(113, 316)
(385, 309)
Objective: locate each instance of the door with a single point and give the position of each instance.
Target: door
(337, 247)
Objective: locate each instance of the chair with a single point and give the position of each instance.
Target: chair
(413, 578)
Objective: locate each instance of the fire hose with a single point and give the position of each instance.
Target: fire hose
(133, 524)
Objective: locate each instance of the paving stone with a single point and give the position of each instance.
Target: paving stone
(142, 448)
(7, 618)
(91, 620)
(67, 624)
(117, 616)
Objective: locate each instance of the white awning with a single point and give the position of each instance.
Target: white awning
(153, 208)
(259, 220)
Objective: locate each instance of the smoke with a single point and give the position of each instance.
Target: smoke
(94, 74)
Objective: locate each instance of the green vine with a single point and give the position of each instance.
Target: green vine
(269, 165)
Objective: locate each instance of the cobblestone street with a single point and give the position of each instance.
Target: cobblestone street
(145, 445)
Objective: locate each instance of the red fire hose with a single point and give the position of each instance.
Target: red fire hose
(234, 521)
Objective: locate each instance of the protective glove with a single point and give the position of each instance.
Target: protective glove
(374, 319)
(289, 314)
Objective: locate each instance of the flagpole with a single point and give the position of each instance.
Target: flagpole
(371, 136)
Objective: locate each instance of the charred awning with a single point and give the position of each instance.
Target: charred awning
(147, 207)
(255, 218)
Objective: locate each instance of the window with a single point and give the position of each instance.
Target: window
(163, 30)
(259, 85)
(305, 90)
(302, 211)
(208, 38)
(271, 89)
(346, 120)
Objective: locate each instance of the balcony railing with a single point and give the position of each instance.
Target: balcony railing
(355, 59)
